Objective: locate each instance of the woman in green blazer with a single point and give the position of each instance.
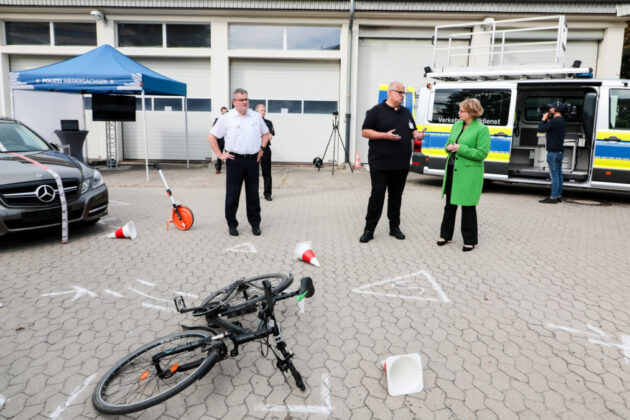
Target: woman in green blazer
(467, 147)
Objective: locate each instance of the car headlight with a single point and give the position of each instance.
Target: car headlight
(97, 179)
(85, 185)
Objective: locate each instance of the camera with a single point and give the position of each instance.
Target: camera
(335, 113)
(564, 108)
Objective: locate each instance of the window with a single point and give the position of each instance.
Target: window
(148, 104)
(495, 102)
(167, 104)
(284, 106)
(139, 35)
(27, 33)
(253, 103)
(71, 33)
(313, 38)
(320, 107)
(188, 36)
(198, 105)
(535, 107)
(284, 37)
(619, 108)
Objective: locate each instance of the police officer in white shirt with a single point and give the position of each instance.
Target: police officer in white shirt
(246, 134)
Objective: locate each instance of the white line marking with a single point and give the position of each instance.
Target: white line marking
(146, 283)
(325, 409)
(3, 400)
(624, 346)
(118, 203)
(148, 296)
(245, 247)
(106, 219)
(570, 330)
(72, 397)
(78, 292)
(158, 307)
(625, 340)
(438, 289)
(597, 330)
(187, 294)
(115, 294)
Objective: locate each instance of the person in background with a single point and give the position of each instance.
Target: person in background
(467, 147)
(217, 163)
(554, 127)
(265, 161)
(390, 127)
(245, 136)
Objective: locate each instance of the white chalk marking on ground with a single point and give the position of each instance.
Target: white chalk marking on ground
(146, 283)
(118, 203)
(245, 247)
(0, 305)
(72, 397)
(625, 340)
(3, 400)
(314, 409)
(78, 292)
(301, 305)
(115, 294)
(148, 296)
(570, 330)
(597, 330)
(187, 294)
(624, 346)
(157, 307)
(397, 280)
(106, 219)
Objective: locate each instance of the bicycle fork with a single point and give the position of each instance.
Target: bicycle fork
(284, 362)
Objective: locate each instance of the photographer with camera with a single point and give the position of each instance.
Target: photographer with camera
(554, 126)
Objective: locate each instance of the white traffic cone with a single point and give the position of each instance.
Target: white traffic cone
(304, 252)
(404, 374)
(127, 231)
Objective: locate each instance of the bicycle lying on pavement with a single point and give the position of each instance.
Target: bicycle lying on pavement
(157, 371)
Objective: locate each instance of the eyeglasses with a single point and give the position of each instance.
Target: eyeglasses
(241, 100)
(401, 92)
(461, 111)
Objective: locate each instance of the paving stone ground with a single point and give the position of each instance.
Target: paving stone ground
(533, 324)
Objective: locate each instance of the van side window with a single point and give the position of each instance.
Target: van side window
(535, 107)
(495, 102)
(619, 108)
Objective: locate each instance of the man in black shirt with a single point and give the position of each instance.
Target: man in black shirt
(391, 129)
(265, 161)
(555, 127)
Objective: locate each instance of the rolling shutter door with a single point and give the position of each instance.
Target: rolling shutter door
(166, 130)
(299, 136)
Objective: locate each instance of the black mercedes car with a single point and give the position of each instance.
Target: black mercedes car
(29, 193)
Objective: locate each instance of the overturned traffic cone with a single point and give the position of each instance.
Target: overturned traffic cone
(304, 252)
(127, 231)
(404, 374)
(357, 162)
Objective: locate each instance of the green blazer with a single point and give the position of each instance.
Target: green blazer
(474, 145)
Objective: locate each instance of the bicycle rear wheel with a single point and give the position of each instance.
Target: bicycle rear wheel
(242, 296)
(135, 384)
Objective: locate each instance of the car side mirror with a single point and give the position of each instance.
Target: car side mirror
(55, 146)
(306, 287)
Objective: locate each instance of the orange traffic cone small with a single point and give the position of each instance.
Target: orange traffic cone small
(304, 252)
(357, 162)
(127, 231)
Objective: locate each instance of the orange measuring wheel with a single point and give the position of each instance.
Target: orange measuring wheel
(184, 220)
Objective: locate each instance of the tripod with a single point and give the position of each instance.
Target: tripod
(335, 133)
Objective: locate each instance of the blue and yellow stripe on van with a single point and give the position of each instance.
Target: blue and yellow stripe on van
(611, 161)
(409, 101)
(437, 134)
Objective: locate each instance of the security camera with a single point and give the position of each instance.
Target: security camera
(98, 15)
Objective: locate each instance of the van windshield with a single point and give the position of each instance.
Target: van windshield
(14, 137)
(495, 103)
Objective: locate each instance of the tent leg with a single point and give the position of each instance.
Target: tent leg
(186, 126)
(144, 129)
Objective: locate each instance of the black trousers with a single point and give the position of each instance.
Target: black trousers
(217, 164)
(239, 170)
(265, 166)
(469, 216)
(394, 183)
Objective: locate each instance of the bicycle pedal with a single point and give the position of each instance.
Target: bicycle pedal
(180, 305)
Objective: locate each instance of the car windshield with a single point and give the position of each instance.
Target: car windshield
(17, 138)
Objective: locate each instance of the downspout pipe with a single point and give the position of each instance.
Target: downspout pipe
(349, 80)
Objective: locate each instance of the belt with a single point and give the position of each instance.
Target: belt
(238, 155)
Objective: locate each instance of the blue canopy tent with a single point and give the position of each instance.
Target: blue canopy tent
(102, 70)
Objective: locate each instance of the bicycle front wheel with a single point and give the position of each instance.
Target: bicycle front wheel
(242, 296)
(137, 382)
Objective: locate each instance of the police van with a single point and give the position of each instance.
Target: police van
(597, 114)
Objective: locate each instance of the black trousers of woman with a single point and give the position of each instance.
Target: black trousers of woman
(469, 216)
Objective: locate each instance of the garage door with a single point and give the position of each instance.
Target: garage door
(95, 139)
(300, 97)
(166, 135)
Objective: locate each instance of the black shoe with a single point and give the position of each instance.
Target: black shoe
(256, 231)
(468, 248)
(396, 233)
(367, 236)
(233, 231)
(442, 242)
(559, 199)
(268, 197)
(549, 200)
